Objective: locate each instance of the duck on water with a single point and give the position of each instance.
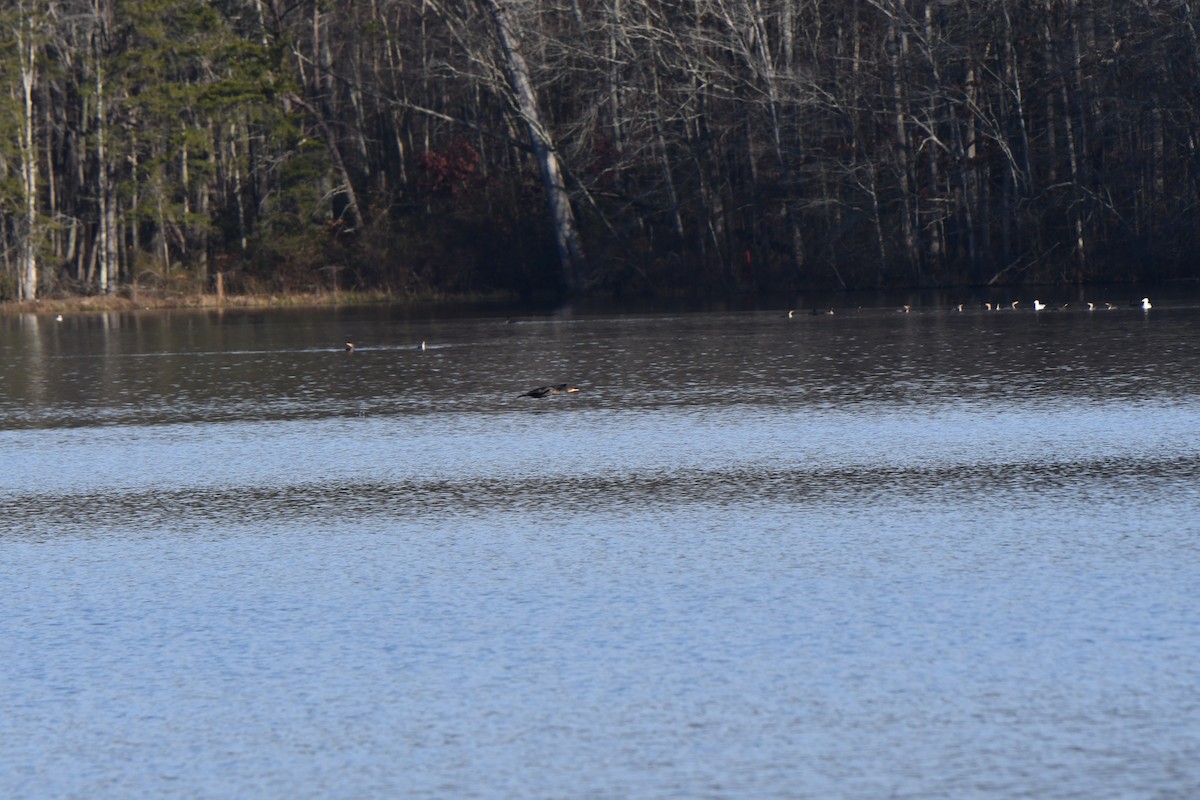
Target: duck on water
(546, 391)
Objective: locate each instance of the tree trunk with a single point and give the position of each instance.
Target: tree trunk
(107, 240)
(27, 55)
(897, 48)
(566, 232)
(353, 209)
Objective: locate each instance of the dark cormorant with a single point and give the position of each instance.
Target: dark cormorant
(546, 391)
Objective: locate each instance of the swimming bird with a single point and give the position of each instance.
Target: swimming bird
(349, 347)
(1015, 303)
(791, 313)
(422, 345)
(1109, 306)
(905, 308)
(1091, 306)
(1038, 305)
(1146, 304)
(546, 391)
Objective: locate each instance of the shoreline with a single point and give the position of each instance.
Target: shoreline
(127, 301)
(149, 301)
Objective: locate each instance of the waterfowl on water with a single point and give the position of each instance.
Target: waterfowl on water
(1146, 304)
(349, 347)
(1038, 305)
(546, 391)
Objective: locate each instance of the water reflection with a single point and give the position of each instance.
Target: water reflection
(182, 367)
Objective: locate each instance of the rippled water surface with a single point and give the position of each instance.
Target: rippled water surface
(861, 555)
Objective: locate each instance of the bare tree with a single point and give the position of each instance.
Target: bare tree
(28, 25)
(566, 232)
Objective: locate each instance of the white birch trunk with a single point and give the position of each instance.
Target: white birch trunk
(562, 217)
(27, 56)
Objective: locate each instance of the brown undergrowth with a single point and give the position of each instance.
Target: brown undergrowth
(148, 300)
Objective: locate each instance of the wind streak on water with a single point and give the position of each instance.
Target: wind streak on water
(577, 459)
(785, 489)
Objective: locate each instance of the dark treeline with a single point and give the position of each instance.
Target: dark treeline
(625, 146)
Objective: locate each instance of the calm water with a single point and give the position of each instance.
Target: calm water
(868, 555)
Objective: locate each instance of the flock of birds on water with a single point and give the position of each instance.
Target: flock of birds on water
(1038, 305)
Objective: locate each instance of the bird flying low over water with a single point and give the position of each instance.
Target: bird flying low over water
(546, 391)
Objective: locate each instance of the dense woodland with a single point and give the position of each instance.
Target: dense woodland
(623, 146)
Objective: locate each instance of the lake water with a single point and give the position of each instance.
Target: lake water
(863, 555)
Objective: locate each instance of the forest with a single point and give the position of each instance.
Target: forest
(624, 147)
